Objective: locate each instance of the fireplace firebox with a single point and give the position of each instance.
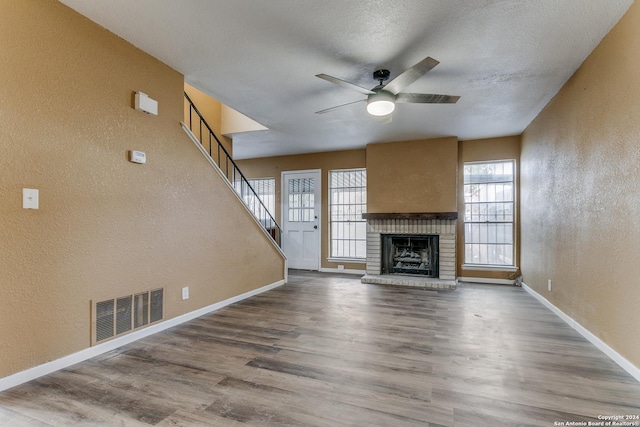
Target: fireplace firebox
(409, 254)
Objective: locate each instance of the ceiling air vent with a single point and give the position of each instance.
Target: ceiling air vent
(120, 315)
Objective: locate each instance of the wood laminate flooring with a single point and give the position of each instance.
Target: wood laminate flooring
(326, 350)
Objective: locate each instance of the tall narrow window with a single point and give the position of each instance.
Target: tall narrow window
(347, 203)
(489, 213)
(265, 188)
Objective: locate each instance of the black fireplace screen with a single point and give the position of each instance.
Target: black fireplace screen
(410, 254)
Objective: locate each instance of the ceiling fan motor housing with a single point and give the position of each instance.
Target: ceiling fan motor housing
(381, 75)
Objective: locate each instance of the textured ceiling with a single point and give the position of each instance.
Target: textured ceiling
(505, 58)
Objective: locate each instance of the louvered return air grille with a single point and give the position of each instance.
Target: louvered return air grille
(120, 315)
(123, 315)
(104, 320)
(156, 305)
(141, 309)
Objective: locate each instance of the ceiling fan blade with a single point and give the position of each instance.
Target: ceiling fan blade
(426, 98)
(410, 75)
(345, 84)
(339, 106)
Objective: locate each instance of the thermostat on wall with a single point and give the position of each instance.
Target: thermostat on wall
(137, 157)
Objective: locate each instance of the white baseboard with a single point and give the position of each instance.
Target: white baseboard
(633, 370)
(344, 270)
(486, 280)
(88, 353)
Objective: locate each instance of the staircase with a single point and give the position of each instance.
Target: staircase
(221, 157)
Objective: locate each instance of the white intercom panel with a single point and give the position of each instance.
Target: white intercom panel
(145, 104)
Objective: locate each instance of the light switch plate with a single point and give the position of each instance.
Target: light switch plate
(30, 198)
(185, 293)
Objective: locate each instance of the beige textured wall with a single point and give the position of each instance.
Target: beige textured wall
(412, 176)
(435, 172)
(105, 227)
(484, 150)
(580, 192)
(272, 167)
(211, 110)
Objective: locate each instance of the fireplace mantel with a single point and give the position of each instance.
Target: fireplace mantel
(411, 215)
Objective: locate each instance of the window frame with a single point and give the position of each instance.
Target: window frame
(258, 189)
(331, 221)
(467, 264)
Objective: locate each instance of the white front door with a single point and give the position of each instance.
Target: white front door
(301, 219)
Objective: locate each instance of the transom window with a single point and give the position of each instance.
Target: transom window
(489, 213)
(347, 203)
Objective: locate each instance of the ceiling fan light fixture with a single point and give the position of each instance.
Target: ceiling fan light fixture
(381, 103)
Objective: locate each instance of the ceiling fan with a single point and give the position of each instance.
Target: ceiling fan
(382, 99)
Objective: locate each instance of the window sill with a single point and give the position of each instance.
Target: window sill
(489, 267)
(349, 260)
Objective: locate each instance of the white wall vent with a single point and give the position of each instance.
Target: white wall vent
(117, 316)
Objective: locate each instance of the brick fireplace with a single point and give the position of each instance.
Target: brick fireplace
(441, 227)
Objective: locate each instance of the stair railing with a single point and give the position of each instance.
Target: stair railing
(229, 168)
